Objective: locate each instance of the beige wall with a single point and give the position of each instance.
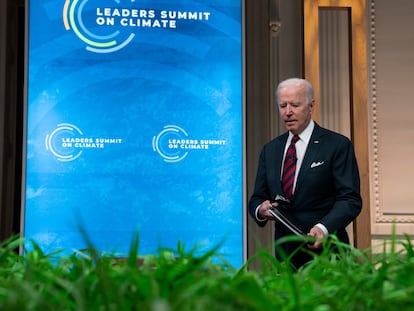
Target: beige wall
(391, 110)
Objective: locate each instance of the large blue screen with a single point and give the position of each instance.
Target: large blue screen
(135, 125)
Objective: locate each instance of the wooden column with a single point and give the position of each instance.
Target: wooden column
(358, 92)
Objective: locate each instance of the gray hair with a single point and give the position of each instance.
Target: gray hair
(291, 81)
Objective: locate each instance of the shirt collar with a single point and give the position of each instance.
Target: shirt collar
(306, 134)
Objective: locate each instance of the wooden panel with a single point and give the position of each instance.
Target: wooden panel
(311, 48)
(360, 118)
(359, 126)
(270, 57)
(11, 105)
(257, 110)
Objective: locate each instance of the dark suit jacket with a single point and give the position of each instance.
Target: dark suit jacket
(327, 189)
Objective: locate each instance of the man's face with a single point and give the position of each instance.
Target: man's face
(294, 109)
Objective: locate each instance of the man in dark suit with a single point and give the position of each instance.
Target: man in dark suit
(326, 188)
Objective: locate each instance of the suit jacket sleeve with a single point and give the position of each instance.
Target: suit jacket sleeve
(260, 193)
(267, 183)
(348, 203)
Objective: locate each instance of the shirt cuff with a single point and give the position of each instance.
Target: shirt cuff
(323, 228)
(256, 214)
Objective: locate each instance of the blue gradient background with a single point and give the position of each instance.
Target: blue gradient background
(191, 77)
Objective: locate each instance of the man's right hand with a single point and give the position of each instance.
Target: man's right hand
(264, 210)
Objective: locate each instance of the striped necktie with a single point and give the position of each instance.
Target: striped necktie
(289, 168)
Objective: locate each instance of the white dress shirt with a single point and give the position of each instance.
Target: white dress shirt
(301, 146)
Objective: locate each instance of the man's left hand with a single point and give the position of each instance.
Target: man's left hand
(317, 233)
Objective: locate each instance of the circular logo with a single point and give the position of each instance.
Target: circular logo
(165, 141)
(83, 20)
(59, 142)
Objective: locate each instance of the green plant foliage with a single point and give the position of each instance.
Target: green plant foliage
(183, 279)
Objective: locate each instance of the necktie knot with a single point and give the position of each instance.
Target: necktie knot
(295, 138)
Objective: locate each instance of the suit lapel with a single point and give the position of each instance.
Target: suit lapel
(279, 151)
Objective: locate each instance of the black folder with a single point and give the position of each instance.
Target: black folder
(281, 214)
(286, 220)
